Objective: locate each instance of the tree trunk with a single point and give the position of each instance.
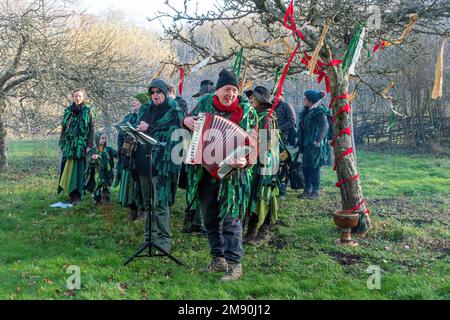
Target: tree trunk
(351, 191)
(3, 155)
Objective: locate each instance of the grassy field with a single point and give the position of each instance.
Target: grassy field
(409, 197)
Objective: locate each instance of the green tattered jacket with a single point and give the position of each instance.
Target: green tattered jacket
(234, 190)
(308, 132)
(76, 133)
(163, 167)
(100, 172)
(264, 173)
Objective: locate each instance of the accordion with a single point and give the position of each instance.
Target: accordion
(215, 142)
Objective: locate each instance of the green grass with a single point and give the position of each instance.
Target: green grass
(410, 240)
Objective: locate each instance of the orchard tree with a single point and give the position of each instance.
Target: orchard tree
(272, 31)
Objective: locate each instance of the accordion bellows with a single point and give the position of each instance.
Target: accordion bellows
(215, 143)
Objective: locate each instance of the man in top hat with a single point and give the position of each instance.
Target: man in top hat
(206, 87)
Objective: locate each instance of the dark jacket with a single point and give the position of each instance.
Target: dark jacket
(182, 104)
(286, 122)
(313, 127)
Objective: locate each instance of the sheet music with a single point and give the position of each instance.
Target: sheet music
(140, 136)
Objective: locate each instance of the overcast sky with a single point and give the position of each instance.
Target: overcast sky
(137, 11)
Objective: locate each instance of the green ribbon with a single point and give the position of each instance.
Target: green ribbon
(351, 49)
(391, 120)
(238, 63)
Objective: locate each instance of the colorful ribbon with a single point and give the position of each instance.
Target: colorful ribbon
(289, 21)
(319, 69)
(180, 86)
(346, 153)
(340, 183)
(381, 44)
(347, 131)
(280, 84)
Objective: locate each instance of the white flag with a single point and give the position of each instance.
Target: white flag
(357, 52)
(200, 65)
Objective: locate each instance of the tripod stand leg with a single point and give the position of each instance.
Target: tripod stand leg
(168, 254)
(137, 253)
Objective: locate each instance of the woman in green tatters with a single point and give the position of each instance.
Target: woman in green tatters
(262, 211)
(77, 138)
(313, 142)
(130, 192)
(99, 175)
(223, 203)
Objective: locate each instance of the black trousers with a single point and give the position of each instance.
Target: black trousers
(224, 236)
(312, 177)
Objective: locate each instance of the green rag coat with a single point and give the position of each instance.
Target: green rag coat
(234, 190)
(308, 132)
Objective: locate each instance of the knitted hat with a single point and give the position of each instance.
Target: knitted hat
(143, 97)
(160, 84)
(314, 95)
(206, 86)
(227, 77)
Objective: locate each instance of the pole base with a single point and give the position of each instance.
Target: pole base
(348, 243)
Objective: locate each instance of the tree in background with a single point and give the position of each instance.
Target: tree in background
(49, 49)
(337, 25)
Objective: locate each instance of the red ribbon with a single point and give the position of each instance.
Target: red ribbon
(359, 206)
(291, 25)
(379, 45)
(347, 108)
(280, 84)
(345, 95)
(319, 69)
(340, 183)
(180, 86)
(347, 131)
(346, 153)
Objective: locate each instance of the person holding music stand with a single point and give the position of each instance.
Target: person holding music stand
(154, 164)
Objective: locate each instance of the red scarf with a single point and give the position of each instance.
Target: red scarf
(236, 111)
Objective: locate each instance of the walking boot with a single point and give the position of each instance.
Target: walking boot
(250, 236)
(234, 272)
(217, 264)
(315, 194)
(306, 193)
(263, 235)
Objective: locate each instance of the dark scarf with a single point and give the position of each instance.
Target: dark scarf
(156, 112)
(236, 111)
(76, 109)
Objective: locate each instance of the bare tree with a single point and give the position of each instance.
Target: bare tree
(49, 50)
(244, 21)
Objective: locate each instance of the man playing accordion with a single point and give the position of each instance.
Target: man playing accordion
(223, 202)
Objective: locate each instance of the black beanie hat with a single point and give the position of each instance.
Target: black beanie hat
(227, 77)
(160, 84)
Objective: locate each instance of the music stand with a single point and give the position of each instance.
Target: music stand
(144, 139)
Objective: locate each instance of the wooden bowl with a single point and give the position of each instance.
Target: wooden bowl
(346, 219)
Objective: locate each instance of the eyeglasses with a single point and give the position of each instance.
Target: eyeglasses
(155, 92)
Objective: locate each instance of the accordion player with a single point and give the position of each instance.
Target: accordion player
(215, 143)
